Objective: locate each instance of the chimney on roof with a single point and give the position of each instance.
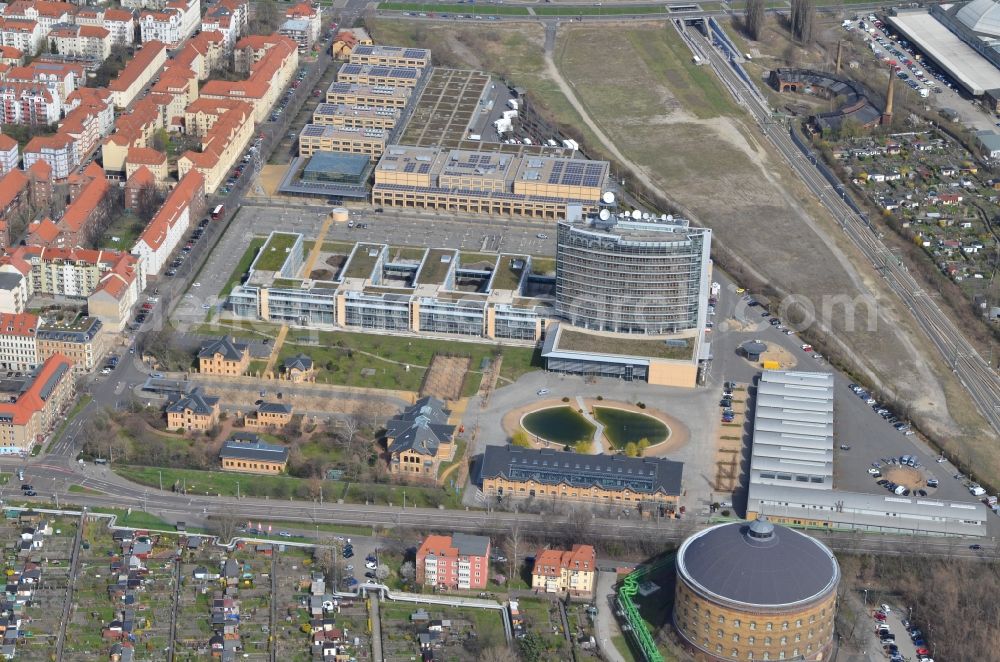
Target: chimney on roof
(887, 114)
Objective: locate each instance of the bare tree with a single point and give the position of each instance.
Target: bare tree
(148, 200)
(802, 19)
(226, 527)
(753, 19)
(496, 654)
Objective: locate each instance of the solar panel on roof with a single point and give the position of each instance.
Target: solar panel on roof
(414, 53)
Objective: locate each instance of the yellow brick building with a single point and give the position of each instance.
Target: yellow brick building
(193, 411)
(269, 415)
(224, 357)
(420, 438)
(755, 591)
(246, 453)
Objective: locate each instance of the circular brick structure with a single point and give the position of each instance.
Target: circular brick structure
(755, 591)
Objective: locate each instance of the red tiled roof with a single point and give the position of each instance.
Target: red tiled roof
(31, 400)
(85, 204)
(146, 156)
(41, 170)
(44, 231)
(94, 31)
(141, 177)
(7, 143)
(119, 15)
(142, 60)
(21, 324)
(11, 185)
(178, 200)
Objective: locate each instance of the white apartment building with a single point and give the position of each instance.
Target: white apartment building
(18, 344)
(9, 154)
(25, 35)
(86, 41)
(173, 24)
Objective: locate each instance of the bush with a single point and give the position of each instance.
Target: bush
(640, 405)
(565, 399)
(600, 397)
(725, 513)
(521, 438)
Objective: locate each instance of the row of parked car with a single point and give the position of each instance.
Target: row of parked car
(882, 411)
(196, 236)
(727, 403)
(888, 639)
(279, 108)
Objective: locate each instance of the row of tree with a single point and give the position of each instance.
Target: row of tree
(801, 20)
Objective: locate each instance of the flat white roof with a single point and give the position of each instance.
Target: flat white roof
(970, 69)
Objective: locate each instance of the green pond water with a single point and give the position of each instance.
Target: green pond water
(622, 427)
(562, 425)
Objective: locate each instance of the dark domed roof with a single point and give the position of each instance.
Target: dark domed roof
(758, 563)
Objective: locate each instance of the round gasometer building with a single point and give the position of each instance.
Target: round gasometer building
(756, 591)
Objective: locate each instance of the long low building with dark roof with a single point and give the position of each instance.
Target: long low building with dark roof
(858, 105)
(521, 473)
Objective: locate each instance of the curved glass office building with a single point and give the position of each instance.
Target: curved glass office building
(643, 277)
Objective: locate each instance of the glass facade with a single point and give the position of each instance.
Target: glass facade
(462, 317)
(515, 323)
(388, 312)
(643, 277)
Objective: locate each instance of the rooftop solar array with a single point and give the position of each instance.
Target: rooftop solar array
(411, 53)
(577, 173)
(313, 130)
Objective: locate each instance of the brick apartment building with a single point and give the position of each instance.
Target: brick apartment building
(456, 561)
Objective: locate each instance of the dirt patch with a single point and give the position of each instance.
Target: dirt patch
(445, 376)
(906, 476)
(336, 261)
(321, 274)
(777, 353)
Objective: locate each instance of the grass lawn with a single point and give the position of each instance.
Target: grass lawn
(340, 357)
(225, 484)
(460, 445)
(126, 228)
(609, 10)
(470, 8)
(679, 349)
(243, 265)
(137, 519)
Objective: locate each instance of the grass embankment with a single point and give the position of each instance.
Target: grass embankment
(217, 483)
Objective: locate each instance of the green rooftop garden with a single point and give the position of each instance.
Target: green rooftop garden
(274, 253)
(362, 262)
(576, 341)
(434, 269)
(507, 277)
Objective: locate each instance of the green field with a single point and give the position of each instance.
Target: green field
(340, 357)
(438, 8)
(275, 251)
(218, 483)
(609, 10)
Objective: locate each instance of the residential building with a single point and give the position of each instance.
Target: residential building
(561, 571)
(297, 369)
(31, 406)
(28, 103)
(228, 18)
(139, 182)
(175, 22)
(83, 341)
(88, 209)
(201, 54)
(121, 24)
(10, 155)
(89, 119)
(154, 161)
(269, 415)
(298, 31)
(456, 561)
(311, 15)
(420, 438)
(13, 292)
(116, 294)
(165, 231)
(133, 129)
(541, 187)
(345, 41)
(18, 346)
(60, 78)
(246, 453)
(140, 70)
(228, 129)
(511, 472)
(48, 14)
(390, 56)
(353, 140)
(25, 35)
(15, 202)
(193, 411)
(92, 42)
(72, 272)
(59, 151)
(11, 56)
(271, 62)
(224, 357)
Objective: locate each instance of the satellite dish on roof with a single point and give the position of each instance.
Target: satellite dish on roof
(670, 217)
(604, 214)
(608, 197)
(636, 214)
(663, 217)
(646, 216)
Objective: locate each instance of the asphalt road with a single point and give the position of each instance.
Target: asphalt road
(979, 379)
